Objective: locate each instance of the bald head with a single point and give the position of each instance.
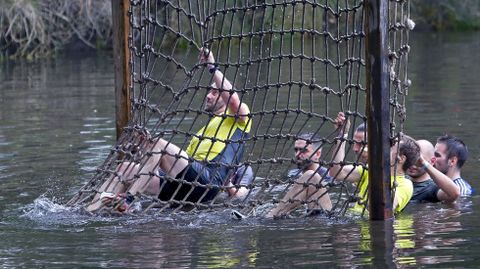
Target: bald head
(428, 152)
(426, 149)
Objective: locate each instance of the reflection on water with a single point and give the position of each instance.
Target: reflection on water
(57, 126)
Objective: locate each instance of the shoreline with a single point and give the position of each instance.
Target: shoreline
(39, 29)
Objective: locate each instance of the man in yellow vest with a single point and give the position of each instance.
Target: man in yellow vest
(403, 154)
(212, 152)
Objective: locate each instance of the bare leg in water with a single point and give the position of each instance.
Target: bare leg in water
(141, 177)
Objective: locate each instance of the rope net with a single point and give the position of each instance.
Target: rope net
(294, 64)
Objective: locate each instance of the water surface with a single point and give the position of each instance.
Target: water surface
(57, 125)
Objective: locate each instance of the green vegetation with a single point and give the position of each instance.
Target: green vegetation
(441, 15)
(36, 28)
(31, 29)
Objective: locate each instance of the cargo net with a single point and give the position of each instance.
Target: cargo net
(235, 105)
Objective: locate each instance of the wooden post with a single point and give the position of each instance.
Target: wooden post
(121, 56)
(378, 109)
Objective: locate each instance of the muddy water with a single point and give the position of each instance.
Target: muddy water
(57, 125)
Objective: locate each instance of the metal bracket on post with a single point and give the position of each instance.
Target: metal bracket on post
(378, 109)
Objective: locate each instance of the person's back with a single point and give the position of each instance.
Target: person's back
(403, 191)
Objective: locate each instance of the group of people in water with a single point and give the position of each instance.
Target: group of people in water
(421, 172)
(211, 162)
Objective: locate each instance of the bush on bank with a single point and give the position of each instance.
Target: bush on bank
(32, 29)
(36, 28)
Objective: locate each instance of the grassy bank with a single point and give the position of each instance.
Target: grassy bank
(447, 15)
(31, 29)
(37, 28)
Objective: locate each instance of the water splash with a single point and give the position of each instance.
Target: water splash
(46, 211)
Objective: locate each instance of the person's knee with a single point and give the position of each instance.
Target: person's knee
(128, 165)
(165, 145)
(127, 169)
(153, 186)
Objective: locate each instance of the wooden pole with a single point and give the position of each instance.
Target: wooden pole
(121, 56)
(378, 109)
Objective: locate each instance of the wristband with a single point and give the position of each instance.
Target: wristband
(213, 69)
(425, 165)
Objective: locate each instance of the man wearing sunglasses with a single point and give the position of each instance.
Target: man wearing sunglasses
(309, 179)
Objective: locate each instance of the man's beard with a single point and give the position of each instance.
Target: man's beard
(444, 171)
(209, 108)
(363, 160)
(417, 175)
(302, 164)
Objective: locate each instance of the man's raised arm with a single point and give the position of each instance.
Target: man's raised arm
(345, 172)
(231, 98)
(449, 191)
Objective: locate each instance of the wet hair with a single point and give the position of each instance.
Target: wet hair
(362, 128)
(312, 139)
(410, 149)
(455, 148)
